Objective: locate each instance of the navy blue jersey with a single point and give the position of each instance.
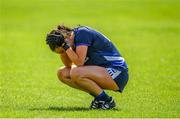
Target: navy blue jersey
(101, 51)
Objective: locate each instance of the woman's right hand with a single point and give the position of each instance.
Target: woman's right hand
(59, 50)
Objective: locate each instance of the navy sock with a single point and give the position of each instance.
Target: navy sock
(102, 96)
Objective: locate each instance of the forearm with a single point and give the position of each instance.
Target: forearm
(74, 57)
(65, 59)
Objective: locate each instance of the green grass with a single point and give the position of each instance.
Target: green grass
(147, 32)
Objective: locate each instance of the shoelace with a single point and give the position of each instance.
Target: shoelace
(94, 104)
(105, 105)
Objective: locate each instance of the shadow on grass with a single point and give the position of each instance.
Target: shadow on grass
(64, 109)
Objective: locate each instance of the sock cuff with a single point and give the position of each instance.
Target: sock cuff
(102, 96)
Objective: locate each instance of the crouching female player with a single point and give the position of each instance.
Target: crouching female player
(97, 64)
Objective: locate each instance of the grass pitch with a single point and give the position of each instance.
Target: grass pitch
(147, 33)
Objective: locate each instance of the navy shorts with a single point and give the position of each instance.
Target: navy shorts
(119, 75)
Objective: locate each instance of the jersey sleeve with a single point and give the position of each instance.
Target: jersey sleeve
(83, 37)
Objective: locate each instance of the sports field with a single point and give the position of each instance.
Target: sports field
(147, 33)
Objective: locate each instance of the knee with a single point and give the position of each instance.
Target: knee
(76, 73)
(62, 73)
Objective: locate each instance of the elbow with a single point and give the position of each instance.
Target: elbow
(78, 64)
(68, 66)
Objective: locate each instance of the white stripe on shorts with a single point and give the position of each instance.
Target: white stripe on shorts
(113, 72)
(114, 58)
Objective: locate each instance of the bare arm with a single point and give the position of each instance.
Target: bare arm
(79, 56)
(65, 59)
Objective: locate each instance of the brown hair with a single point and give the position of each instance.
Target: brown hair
(62, 27)
(66, 31)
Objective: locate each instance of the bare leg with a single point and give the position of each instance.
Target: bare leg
(63, 75)
(93, 79)
(89, 85)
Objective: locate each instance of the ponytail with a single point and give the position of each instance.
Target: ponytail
(62, 27)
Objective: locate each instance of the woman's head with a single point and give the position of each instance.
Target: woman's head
(54, 39)
(66, 31)
(57, 37)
